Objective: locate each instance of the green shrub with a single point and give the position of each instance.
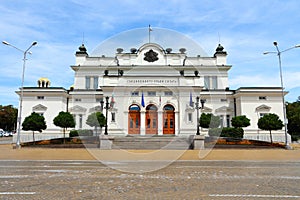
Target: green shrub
(227, 132)
(214, 132)
(73, 133)
(232, 132)
(295, 137)
(76, 133)
(85, 132)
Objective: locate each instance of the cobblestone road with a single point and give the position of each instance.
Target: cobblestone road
(180, 180)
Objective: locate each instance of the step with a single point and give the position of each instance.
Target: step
(155, 142)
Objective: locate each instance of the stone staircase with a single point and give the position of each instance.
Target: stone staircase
(154, 142)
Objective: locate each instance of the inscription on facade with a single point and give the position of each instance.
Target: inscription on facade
(152, 81)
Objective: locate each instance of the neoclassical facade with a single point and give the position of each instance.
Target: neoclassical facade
(152, 90)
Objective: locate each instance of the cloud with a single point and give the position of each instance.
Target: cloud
(246, 29)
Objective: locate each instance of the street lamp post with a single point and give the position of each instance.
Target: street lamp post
(106, 107)
(22, 83)
(197, 108)
(278, 52)
(202, 101)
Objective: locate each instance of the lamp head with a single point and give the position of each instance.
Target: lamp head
(275, 43)
(297, 46)
(6, 43)
(34, 43)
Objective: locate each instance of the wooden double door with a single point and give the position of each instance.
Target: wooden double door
(151, 120)
(169, 120)
(134, 120)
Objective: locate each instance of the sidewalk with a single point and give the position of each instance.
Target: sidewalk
(8, 153)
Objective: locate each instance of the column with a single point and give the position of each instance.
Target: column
(143, 122)
(160, 122)
(176, 122)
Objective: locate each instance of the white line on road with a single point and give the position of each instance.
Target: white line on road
(13, 193)
(253, 195)
(14, 176)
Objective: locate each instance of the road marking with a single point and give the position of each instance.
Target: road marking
(14, 176)
(253, 195)
(12, 193)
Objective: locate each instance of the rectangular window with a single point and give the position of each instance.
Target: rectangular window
(221, 121)
(168, 93)
(95, 82)
(40, 97)
(74, 117)
(223, 100)
(135, 93)
(206, 82)
(80, 121)
(99, 99)
(190, 117)
(262, 98)
(87, 82)
(214, 81)
(113, 117)
(151, 93)
(228, 120)
(262, 114)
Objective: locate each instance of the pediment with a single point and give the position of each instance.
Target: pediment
(206, 109)
(77, 109)
(95, 109)
(224, 109)
(263, 107)
(39, 107)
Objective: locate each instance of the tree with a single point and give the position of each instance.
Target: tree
(270, 122)
(293, 115)
(64, 120)
(240, 121)
(34, 122)
(8, 117)
(209, 121)
(96, 119)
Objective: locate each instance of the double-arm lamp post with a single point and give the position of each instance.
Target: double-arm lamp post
(202, 101)
(106, 107)
(21, 97)
(278, 52)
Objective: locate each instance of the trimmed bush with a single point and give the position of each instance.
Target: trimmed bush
(216, 132)
(73, 133)
(232, 132)
(227, 132)
(76, 133)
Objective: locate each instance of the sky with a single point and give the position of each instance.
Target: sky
(246, 29)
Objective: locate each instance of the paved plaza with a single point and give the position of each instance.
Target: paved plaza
(40, 173)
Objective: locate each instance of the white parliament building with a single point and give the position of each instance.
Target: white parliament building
(151, 90)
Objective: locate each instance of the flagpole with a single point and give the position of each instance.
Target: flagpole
(149, 30)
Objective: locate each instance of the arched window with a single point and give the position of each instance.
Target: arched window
(169, 107)
(134, 107)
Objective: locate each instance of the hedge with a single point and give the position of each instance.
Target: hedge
(76, 133)
(227, 132)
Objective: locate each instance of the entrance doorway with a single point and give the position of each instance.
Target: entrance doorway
(151, 119)
(169, 120)
(134, 122)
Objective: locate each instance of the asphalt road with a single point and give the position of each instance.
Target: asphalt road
(82, 179)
